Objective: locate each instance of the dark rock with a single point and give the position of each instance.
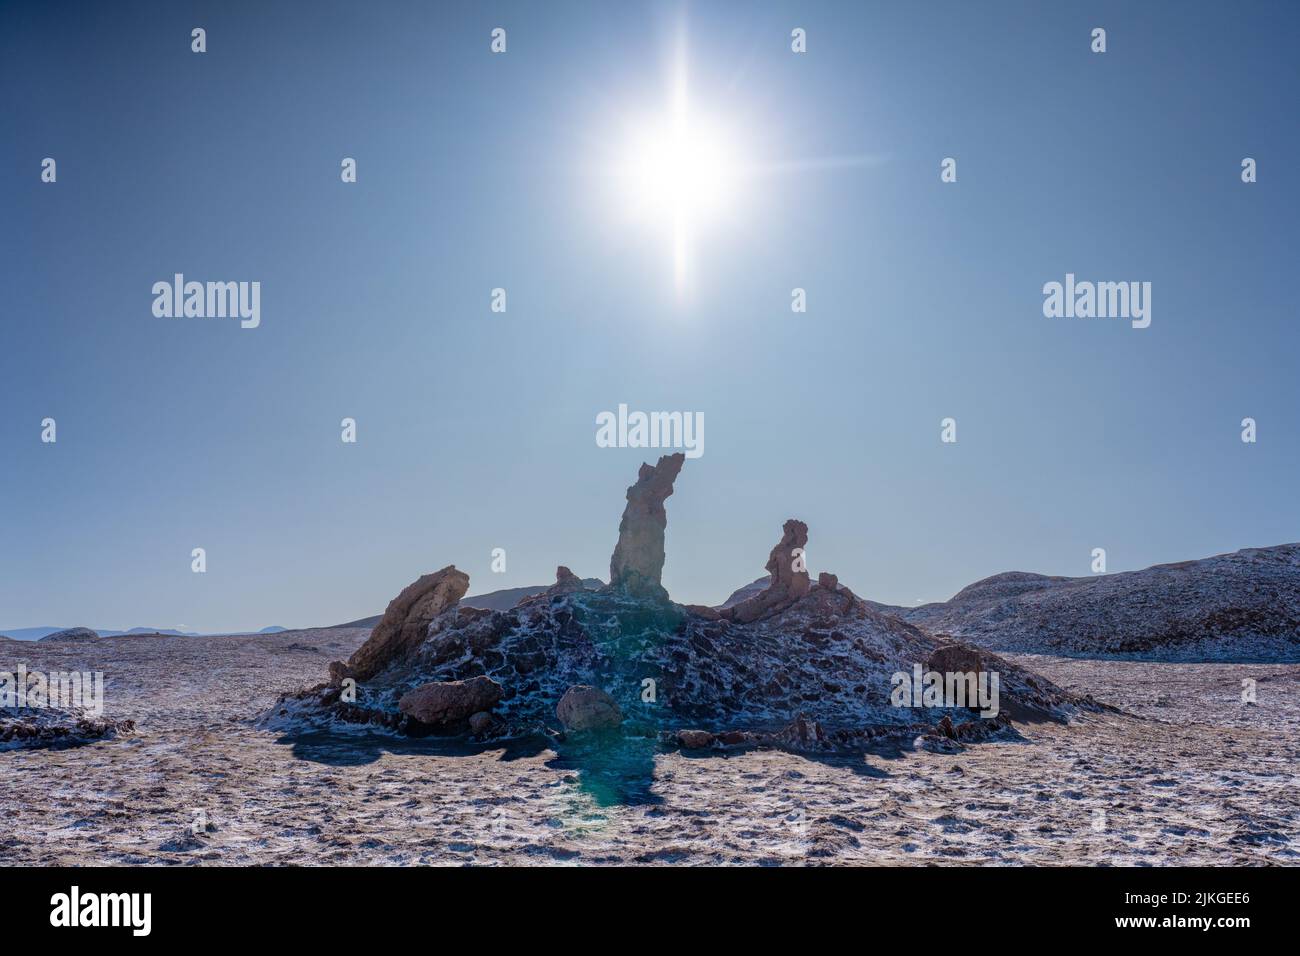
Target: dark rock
(481, 722)
(695, 739)
(441, 703)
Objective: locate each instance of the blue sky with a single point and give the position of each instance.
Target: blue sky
(475, 171)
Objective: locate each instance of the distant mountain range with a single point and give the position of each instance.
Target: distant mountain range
(1239, 606)
(36, 633)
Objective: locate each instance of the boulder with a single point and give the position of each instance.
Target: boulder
(481, 722)
(695, 739)
(704, 611)
(955, 658)
(339, 672)
(787, 584)
(587, 708)
(828, 581)
(638, 561)
(444, 703)
(406, 622)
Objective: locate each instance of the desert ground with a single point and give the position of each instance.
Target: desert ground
(1189, 775)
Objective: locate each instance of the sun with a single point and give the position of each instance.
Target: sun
(679, 174)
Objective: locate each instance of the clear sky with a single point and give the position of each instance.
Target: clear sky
(476, 430)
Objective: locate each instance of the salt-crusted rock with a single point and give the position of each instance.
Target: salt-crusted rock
(787, 584)
(1243, 606)
(638, 560)
(586, 708)
(406, 622)
(34, 727)
(442, 703)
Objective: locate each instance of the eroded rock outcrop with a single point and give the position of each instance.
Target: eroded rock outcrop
(638, 561)
(789, 576)
(797, 665)
(405, 623)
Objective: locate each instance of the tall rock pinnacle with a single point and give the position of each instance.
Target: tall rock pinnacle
(638, 560)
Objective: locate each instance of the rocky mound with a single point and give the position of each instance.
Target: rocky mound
(55, 727)
(796, 664)
(1240, 607)
(72, 634)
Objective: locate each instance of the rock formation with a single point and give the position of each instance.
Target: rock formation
(787, 584)
(638, 560)
(406, 621)
(446, 703)
(797, 665)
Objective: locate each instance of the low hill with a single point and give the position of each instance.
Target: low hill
(1240, 606)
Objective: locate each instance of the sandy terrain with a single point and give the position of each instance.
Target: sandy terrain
(1194, 777)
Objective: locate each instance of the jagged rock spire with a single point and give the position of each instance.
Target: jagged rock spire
(638, 560)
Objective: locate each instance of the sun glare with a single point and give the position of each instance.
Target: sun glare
(679, 174)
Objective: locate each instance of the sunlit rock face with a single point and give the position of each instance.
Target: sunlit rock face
(406, 621)
(638, 562)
